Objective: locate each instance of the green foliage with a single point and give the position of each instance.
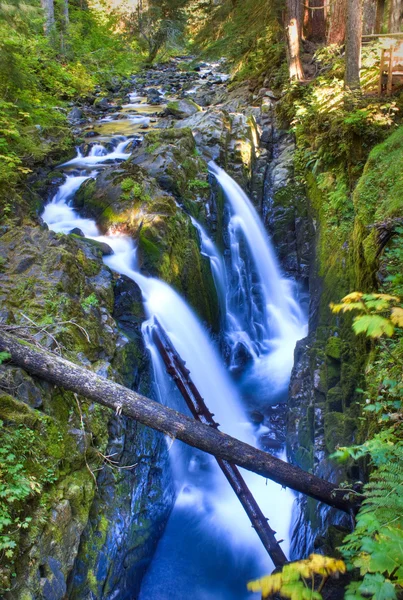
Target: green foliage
(336, 129)
(38, 76)
(375, 547)
(379, 314)
(158, 26)
(133, 190)
(24, 471)
(247, 33)
(90, 301)
(394, 261)
(4, 356)
(297, 579)
(198, 184)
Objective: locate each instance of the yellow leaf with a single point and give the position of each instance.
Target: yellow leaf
(386, 297)
(353, 297)
(397, 316)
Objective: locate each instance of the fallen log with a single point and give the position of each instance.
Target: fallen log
(84, 382)
(176, 368)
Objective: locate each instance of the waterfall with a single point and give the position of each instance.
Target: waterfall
(209, 549)
(260, 298)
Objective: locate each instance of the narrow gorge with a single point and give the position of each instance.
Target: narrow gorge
(223, 209)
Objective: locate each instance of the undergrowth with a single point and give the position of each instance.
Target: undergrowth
(40, 76)
(248, 34)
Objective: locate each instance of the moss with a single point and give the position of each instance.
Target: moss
(339, 430)
(333, 348)
(334, 399)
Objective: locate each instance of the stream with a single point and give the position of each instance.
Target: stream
(209, 549)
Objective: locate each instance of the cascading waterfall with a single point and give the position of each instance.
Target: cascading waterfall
(209, 549)
(259, 297)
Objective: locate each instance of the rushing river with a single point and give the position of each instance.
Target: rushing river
(209, 549)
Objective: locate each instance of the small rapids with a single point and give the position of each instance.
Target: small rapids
(209, 549)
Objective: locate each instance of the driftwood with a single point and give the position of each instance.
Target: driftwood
(84, 382)
(181, 375)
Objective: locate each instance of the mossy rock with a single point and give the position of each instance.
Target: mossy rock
(181, 109)
(339, 430)
(333, 348)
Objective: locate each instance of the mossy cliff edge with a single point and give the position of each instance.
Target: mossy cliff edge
(58, 290)
(353, 252)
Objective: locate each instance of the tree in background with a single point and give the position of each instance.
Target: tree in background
(353, 44)
(49, 11)
(395, 16)
(293, 26)
(337, 18)
(156, 23)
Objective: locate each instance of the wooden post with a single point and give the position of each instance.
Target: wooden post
(390, 72)
(381, 69)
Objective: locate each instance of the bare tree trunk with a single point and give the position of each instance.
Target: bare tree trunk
(395, 16)
(49, 10)
(314, 20)
(293, 28)
(337, 22)
(380, 12)
(353, 44)
(84, 382)
(369, 16)
(66, 18)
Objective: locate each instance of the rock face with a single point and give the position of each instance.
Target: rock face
(61, 283)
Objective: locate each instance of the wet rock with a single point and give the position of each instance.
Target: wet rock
(114, 85)
(256, 417)
(76, 115)
(91, 134)
(154, 97)
(182, 109)
(102, 104)
(77, 231)
(269, 442)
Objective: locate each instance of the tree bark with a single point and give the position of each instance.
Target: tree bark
(395, 14)
(66, 18)
(380, 12)
(314, 20)
(49, 10)
(369, 16)
(70, 376)
(293, 27)
(337, 22)
(353, 44)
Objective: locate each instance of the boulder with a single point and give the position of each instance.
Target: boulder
(76, 115)
(182, 109)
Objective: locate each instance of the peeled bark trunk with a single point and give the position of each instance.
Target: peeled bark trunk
(395, 14)
(353, 44)
(49, 10)
(337, 22)
(70, 376)
(293, 27)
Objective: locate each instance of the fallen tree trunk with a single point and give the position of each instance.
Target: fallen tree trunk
(181, 375)
(84, 382)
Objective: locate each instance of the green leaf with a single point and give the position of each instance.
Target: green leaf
(378, 587)
(373, 325)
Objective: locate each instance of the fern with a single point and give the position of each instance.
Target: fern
(376, 544)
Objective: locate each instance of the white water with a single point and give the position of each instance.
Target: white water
(209, 549)
(99, 154)
(260, 297)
